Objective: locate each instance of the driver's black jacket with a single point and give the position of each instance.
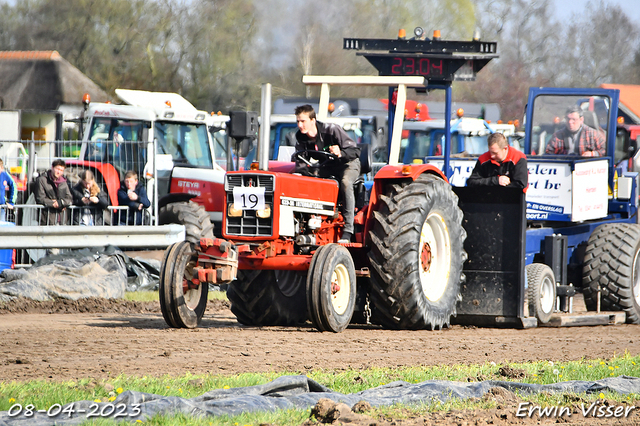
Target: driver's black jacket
(328, 134)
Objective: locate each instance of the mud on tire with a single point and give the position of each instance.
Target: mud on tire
(612, 262)
(268, 297)
(417, 255)
(193, 216)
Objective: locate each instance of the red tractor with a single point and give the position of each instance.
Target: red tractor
(281, 230)
(409, 253)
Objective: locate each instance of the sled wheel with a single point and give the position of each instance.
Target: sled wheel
(182, 301)
(541, 292)
(331, 288)
(416, 255)
(612, 263)
(264, 297)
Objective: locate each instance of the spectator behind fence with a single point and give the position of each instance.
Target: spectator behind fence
(87, 195)
(132, 194)
(8, 191)
(54, 192)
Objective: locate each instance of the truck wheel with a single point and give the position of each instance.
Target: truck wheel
(193, 216)
(541, 291)
(331, 288)
(612, 262)
(182, 302)
(265, 297)
(417, 255)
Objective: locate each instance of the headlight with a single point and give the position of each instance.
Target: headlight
(264, 213)
(232, 211)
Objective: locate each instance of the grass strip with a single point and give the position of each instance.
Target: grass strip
(44, 394)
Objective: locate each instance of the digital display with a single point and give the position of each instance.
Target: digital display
(425, 67)
(438, 68)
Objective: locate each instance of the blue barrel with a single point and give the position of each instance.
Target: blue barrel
(6, 256)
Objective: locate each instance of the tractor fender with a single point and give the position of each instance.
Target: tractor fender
(180, 197)
(407, 171)
(392, 174)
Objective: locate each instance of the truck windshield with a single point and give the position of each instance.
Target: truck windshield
(186, 143)
(569, 125)
(111, 129)
(118, 142)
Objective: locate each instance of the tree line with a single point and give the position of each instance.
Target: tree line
(218, 53)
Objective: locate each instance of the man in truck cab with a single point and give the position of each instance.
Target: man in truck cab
(577, 138)
(317, 136)
(502, 165)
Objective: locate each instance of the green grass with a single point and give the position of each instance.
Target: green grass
(150, 296)
(44, 394)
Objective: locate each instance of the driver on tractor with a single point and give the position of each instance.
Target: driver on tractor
(341, 152)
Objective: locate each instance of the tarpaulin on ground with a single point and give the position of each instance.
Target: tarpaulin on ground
(296, 392)
(104, 272)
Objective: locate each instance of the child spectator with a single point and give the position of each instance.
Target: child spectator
(132, 194)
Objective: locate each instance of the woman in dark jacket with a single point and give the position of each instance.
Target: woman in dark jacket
(87, 194)
(133, 195)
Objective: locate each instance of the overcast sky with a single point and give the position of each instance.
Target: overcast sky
(565, 8)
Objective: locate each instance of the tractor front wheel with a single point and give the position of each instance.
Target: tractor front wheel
(182, 300)
(331, 288)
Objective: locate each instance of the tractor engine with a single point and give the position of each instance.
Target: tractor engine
(267, 206)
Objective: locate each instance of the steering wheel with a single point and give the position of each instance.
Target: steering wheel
(322, 157)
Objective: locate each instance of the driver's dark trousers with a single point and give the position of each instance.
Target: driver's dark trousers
(347, 175)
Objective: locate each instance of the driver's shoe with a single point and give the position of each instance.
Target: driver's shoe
(346, 238)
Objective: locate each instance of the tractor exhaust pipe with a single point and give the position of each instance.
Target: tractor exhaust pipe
(265, 128)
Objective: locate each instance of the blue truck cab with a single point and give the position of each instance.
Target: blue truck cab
(575, 203)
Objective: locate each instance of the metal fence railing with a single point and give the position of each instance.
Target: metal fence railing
(35, 228)
(39, 215)
(108, 160)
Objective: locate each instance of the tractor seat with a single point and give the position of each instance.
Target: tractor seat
(366, 158)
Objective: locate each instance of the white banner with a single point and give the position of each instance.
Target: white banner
(554, 193)
(590, 190)
(549, 191)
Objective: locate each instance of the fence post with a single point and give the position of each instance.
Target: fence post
(32, 161)
(155, 183)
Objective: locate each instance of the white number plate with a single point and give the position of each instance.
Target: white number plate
(248, 197)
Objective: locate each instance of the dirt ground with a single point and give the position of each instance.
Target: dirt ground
(100, 338)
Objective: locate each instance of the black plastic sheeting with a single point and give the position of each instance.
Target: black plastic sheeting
(105, 272)
(298, 392)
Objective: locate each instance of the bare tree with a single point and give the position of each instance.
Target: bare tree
(597, 47)
(218, 52)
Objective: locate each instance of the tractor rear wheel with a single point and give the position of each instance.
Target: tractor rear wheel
(417, 255)
(541, 291)
(265, 297)
(182, 301)
(193, 216)
(331, 288)
(612, 263)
